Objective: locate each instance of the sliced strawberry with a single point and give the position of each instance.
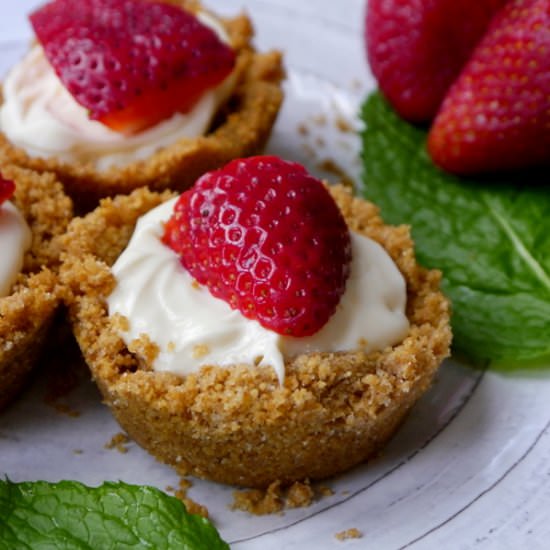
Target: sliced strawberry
(131, 63)
(416, 48)
(266, 237)
(497, 114)
(7, 187)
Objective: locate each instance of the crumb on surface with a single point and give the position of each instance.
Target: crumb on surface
(344, 125)
(259, 502)
(325, 491)
(352, 533)
(274, 499)
(192, 506)
(299, 495)
(184, 485)
(119, 442)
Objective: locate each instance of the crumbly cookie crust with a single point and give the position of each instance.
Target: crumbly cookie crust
(26, 314)
(240, 129)
(237, 425)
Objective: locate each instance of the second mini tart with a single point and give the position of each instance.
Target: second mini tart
(240, 128)
(238, 425)
(28, 311)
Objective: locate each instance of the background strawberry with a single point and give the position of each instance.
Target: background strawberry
(416, 48)
(266, 237)
(496, 116)
(7, 187)
(131, 63)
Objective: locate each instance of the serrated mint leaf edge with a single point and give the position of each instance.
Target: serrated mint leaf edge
(394, 136)
(186, 531)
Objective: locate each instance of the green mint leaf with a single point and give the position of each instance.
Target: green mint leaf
(68, 515)
(491, 239)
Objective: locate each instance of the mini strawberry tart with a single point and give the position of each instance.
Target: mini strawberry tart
(261, 326)
(119, 94)
(34, 212)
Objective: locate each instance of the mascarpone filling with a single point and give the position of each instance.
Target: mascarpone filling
(15, 239)
(191, 328)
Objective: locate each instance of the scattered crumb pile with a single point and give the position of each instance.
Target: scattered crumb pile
(272, 500)
(191, 506)
(316, 148)
(276, 498)
(352, 533)
(325, 491)
(118, 442)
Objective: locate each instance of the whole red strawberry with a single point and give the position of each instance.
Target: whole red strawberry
(131, 63)
(416, 48)
(7, 187)
(496, 116)
(266, 237)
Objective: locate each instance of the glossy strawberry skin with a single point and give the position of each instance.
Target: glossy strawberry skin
(7, 188)
(496, 116)
(416, 48)
(131, 63)
(266, 237)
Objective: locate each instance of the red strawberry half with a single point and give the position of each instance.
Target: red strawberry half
(131, 63)
(266, 237)
(416, 48)
(7, 187)
(497, 114)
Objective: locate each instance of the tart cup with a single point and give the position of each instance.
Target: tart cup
(240, 128)
(237, 424)
(26, 314)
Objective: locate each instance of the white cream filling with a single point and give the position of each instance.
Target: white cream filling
(15, 240)
(192, 328)
(40, 116)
